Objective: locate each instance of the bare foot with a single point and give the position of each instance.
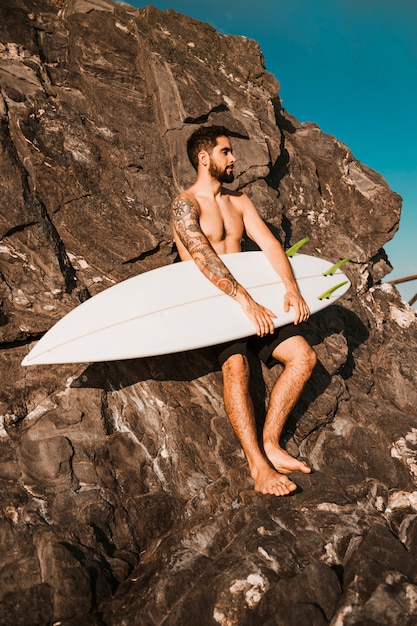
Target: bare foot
(268, 481)
(283, 462)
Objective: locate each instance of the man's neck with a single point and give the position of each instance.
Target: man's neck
(208, 186)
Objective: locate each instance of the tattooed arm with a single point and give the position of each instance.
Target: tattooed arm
(186, 223)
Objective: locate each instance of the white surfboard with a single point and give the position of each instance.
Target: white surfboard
(176, 308)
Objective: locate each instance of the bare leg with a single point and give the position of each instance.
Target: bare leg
(239, 408)
(299, 360)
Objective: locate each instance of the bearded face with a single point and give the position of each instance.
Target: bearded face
(223, 175)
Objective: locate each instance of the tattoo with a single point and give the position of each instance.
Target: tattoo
(228, 286)
(181, 208)
(186, 222)
(218, 273)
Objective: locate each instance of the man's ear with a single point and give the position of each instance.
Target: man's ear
(203, 157)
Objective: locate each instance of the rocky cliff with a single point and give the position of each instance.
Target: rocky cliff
(125, 498)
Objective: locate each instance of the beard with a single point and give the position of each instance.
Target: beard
(223, 176)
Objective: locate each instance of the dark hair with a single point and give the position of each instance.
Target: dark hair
(204, 138)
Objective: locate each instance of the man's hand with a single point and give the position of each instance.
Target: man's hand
(295, 300)
(261, 317)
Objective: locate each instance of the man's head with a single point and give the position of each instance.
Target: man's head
(204, 140)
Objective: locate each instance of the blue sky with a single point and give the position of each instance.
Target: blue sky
(350, 66)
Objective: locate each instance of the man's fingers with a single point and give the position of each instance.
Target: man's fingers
(269, 324)
(301, 310)
(263, 322)
(261, 317)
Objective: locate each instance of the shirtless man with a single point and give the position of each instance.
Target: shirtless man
(209, 220)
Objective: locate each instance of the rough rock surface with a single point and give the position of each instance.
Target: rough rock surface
(125, 498)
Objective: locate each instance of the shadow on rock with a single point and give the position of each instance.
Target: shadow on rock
(115, 375)
(337, 322)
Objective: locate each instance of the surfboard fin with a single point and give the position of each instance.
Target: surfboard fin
(335, 267)
(326, 294)
(295, 248)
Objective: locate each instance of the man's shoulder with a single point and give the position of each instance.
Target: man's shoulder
(187, 195)
(235, 196)
(233, 193)
(238, 198)
(185, 203)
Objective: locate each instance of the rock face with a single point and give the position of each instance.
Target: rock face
(125, 496)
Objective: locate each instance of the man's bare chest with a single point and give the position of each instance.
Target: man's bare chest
(221, 222)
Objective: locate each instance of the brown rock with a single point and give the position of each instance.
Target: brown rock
(125, 495)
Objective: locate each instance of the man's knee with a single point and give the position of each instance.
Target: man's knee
(305, 355)
(310, 357)
(297, 351)
(236, 366)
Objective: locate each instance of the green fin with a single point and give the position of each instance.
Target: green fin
(328, 293)
(295, 248)
(335, 267)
